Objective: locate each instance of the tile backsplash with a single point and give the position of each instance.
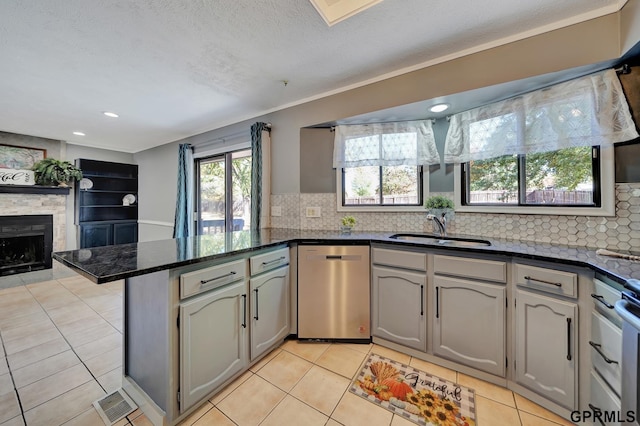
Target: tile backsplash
(621, 232)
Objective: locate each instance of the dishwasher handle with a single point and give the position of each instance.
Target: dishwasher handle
(350, 257)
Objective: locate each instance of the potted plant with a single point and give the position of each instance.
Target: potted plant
(52, 172)
(441, 207)
(348, 222)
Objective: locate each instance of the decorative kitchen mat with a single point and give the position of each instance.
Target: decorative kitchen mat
(413, 394)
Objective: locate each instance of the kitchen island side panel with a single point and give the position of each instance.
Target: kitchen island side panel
(148, 335)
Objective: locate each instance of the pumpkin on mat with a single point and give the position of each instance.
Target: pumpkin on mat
(398, 387)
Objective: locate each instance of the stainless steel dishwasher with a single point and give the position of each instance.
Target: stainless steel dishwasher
(333, 292)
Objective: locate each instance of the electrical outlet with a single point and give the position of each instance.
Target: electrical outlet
(313, 211)
(276, 211)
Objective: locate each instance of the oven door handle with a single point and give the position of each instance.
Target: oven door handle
(622, 308)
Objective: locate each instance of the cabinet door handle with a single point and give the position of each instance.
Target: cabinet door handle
(421, 300)
(256, 317)
(568, 339)
(230, 274)
(528, 278)
(437, 303)
(244, 311)
(600, 299)
(596, 410)
(597, 347)
(273, 261)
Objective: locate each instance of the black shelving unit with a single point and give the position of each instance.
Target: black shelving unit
(102, 215)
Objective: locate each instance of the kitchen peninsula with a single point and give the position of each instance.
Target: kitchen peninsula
(111, 263)
(171, 285)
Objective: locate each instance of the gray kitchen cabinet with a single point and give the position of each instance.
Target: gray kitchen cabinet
(399, 306)
(469, 323)
(605, 344)
(546, 346)
(213, 341)
(604, 400)
(269, 309)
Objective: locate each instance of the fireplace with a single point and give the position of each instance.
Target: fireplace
(26, 243)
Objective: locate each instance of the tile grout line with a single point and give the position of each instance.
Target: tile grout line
(70, 346)
(366, 355)
(288, 393)
(79, 358)
(15, 389)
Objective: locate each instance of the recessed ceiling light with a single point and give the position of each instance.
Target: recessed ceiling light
(439, 108)
(111, 114)
(78, 133)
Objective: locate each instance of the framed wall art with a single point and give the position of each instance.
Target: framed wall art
(20, 157)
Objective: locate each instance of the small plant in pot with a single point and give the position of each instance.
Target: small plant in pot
(440, 206)
(348, 222)
(52, 172)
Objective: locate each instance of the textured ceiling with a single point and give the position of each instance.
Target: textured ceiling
(175, 68)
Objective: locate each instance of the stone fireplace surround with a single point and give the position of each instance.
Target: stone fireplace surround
(26, 242)
(13, 204)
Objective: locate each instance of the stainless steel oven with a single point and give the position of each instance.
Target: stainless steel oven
(629, 309)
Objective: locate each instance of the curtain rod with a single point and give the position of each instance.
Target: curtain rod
(333, 128)
(230, 136)
(623, 69)
(222, 139)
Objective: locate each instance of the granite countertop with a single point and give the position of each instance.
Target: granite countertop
(110, 263)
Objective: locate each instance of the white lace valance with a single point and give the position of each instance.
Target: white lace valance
(587, 111)
(409, 143)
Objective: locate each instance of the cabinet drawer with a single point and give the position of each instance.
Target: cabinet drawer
(606, 342)
(400, 259)
(267, 261)
(213, 277)
(549, 280)
(489, 270)
(602, 398)
(604, 297)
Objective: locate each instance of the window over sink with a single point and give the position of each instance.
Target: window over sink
(379, 167)
(545, 152)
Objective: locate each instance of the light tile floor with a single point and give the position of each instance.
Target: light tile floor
(62, 349)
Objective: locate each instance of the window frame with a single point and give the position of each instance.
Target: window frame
(423, 194)
(227, 157)
(605, 167)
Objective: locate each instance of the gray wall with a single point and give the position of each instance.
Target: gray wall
(317, 174)
(441, 175)
(582, 44)
(157, 171)
(627, 164)
(54, 147)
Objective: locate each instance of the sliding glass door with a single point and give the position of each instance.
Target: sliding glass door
(224, 192)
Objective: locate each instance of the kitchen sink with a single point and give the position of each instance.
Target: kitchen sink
(441, 241)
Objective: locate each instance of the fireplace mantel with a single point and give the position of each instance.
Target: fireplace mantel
(34, 189)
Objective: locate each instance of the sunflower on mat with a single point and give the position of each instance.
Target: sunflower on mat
(386, 384)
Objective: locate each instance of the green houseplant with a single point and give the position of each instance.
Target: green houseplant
(52, 172)
(348, 222)
(440, 208)
(438, 202)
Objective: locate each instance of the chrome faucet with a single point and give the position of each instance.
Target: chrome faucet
(441, 223)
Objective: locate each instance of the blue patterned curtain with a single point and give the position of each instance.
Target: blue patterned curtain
(184, 226)
(256, 172)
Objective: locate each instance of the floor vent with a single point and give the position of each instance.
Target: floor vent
(114, 407)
